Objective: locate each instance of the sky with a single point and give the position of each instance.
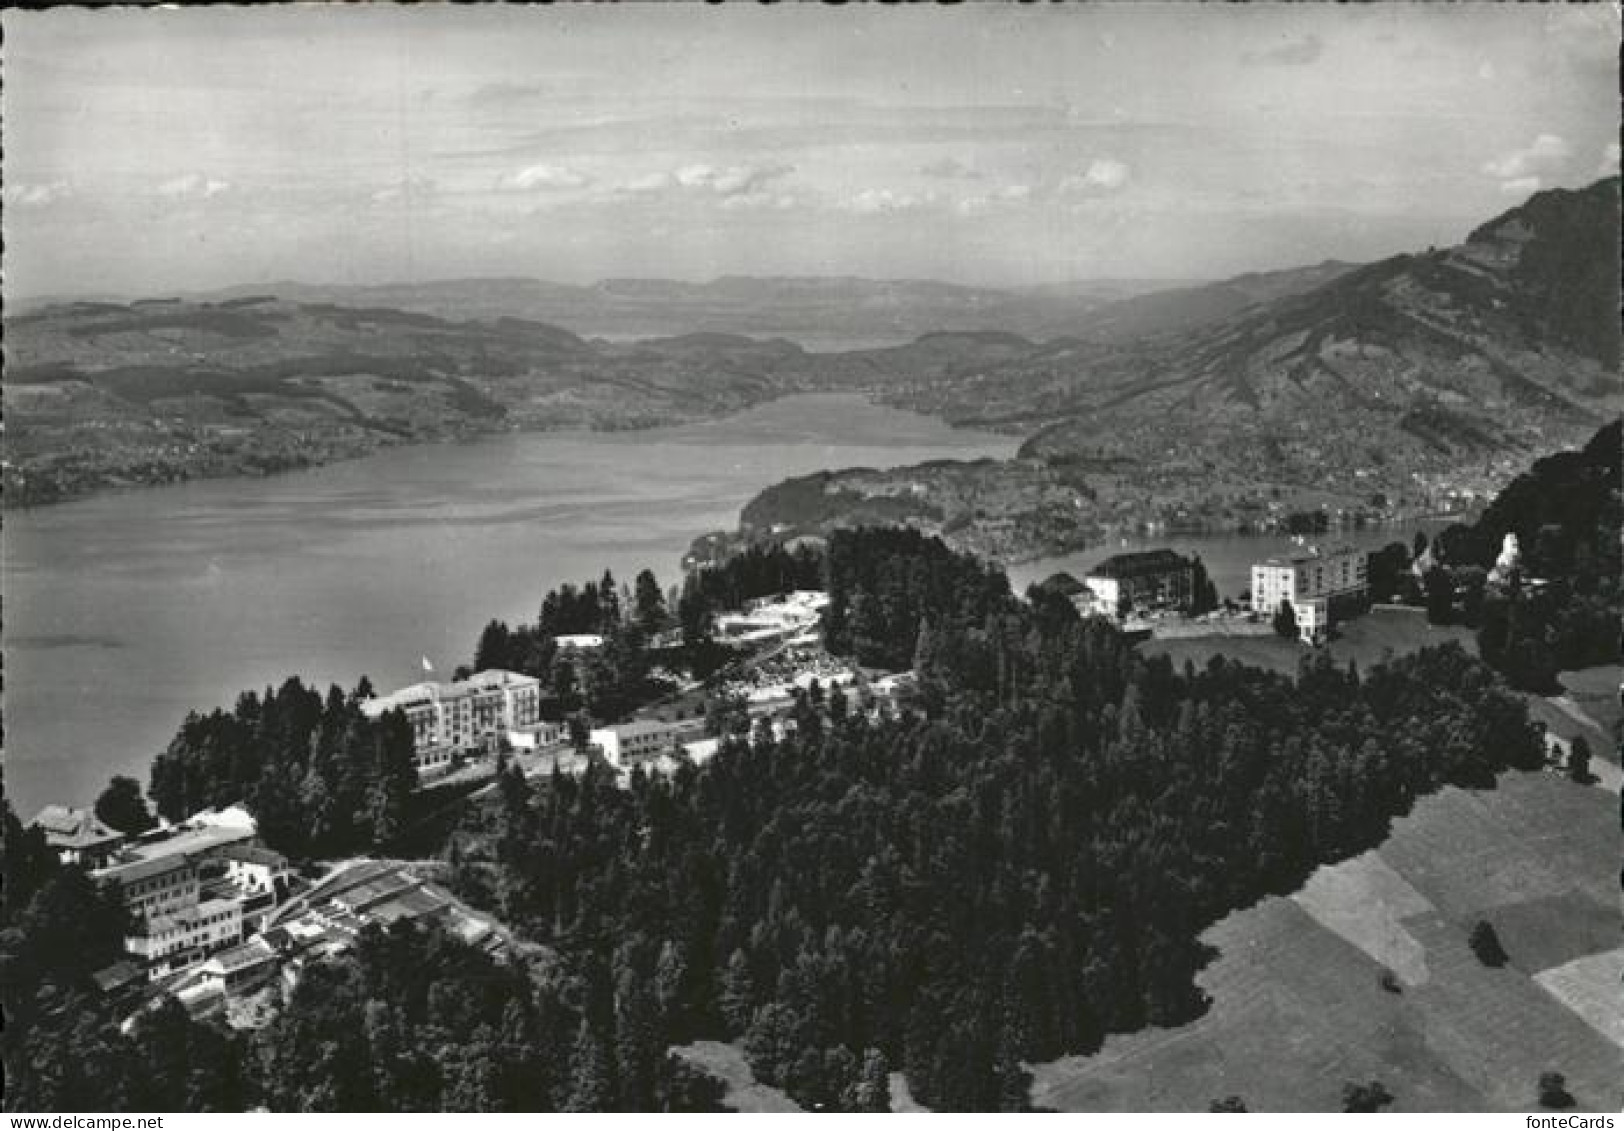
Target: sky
(150, 151)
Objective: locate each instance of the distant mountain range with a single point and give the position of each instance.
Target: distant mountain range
(819, 313)
(1445, 366)
(1422, 381)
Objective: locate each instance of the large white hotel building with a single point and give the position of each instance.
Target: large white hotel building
(470, 714)
(1337, 576)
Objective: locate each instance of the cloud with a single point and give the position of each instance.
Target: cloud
(875, 201)
(1609, 160)
(648, 182)
(193, 186)
(1544, 153)
(778, 202)
(982, 202)
(735, 180)
(415, 188)
(950, 169)
(545, 177)
(738, 186)
(1521, 186)
(37, 195)
(1297, 53)
(1104, 174)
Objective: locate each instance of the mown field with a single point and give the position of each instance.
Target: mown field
(745, 1094)
(1363, 640)
(1299, 1009)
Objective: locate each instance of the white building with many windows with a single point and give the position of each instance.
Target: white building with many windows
(471, 714)
(628, 744)
(187, 936)
(1338, 576)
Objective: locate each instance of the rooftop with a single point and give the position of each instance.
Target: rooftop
(418, 694)
(1139, 563)
(133, 871)
(635, 728)
(254, 854)
(1305, 554)
(254, 952)
(498, 678)
(67, 827)
(579, 640)
(120, 974)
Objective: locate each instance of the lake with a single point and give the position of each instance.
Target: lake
(126, 610)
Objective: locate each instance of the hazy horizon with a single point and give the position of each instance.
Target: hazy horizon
(168, 151)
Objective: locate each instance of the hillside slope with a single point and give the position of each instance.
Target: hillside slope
(104, 394)
(1418, 384)
(1305, 972)
(1483, 353)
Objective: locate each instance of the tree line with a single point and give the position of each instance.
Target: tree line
(320, 777)
(1009, 873)
(1007, 870)
(1560, 609)
(61, 1042)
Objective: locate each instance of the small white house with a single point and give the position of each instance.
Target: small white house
(1313, 620)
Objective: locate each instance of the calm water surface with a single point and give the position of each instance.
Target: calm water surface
(124, 611)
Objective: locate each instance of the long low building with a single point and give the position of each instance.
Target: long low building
(627, 744)
(472, 714)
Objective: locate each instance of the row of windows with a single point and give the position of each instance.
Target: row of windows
(168, 880)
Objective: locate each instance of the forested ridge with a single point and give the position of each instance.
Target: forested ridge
(320, 777)
(1558, 609)
(1008, 874)
(1009, 867)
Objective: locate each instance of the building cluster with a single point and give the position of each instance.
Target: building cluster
(776, 679)
(322, 922)
(217, 919)
(1319, 585)
(774, 618)
(193, 889)
(480, 714)
(657, 746)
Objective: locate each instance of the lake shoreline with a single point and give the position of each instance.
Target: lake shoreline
(129, 608)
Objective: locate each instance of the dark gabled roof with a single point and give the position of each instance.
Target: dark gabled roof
(134, 870)
(67, 827)
(116, 976)
(1139, 563)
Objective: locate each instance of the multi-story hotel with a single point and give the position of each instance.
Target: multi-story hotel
(474, 713)
(1151, 578)
(192, 889)
(1338, 576)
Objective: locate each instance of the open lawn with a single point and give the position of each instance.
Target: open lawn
(1298, 1008)
(1364, 640)
(1595, 692)
(727, 1064)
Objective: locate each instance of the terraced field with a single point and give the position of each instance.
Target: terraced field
(1298, 1002)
